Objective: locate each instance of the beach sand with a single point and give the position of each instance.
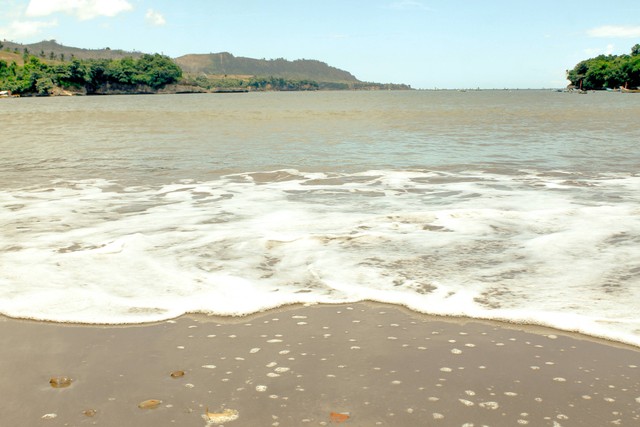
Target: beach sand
(359, 364)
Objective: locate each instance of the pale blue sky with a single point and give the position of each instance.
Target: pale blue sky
(424, 43)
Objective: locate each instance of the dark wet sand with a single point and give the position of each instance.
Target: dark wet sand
(376, 364)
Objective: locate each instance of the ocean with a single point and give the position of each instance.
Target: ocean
(520, 206)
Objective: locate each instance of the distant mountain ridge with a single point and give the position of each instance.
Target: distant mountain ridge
(47, 47)
(216, 66)
(223, 63)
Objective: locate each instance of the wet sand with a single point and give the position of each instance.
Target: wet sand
(359, 364)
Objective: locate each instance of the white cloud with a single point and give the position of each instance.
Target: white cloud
(19, 30)
(83, 9)
(155, 18)
(615, 31)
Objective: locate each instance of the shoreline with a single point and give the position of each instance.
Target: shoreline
(362, 364)
(530, 327)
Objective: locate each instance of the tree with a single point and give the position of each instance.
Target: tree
(609, 71)
(157, 71)
(44, 85)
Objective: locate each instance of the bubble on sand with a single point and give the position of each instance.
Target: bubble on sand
(466, 402)
(254, 350)
(445, 369)
(281, 369)
(274, 341)
(559, 379)
(261, 388)
(437, 416)
(456, 351)
(470, 392)
(510, 393)
(273, 375)
(49, 416)
(489, 405)
(209, 366)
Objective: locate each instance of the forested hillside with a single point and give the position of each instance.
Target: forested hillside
(47, 68)
(225, 64)
(607, 71)
(38, 77)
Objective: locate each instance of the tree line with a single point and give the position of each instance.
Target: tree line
(40, 78)
(607, 71)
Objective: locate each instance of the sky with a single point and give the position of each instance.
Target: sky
(424, 43)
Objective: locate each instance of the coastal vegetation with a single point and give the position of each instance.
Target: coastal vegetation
(49, 68)
(607, 71)
(40, 77)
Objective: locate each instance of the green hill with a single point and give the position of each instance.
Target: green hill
(226, 64)
(607, 71)
(210, 72)
(50, 49)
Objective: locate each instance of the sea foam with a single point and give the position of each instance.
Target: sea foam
(545, 249)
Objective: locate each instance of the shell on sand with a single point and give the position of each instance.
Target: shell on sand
(149, 404)
(90, 412)
(225, 416)
(177, 374)
(337, 417)
(60, 382)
